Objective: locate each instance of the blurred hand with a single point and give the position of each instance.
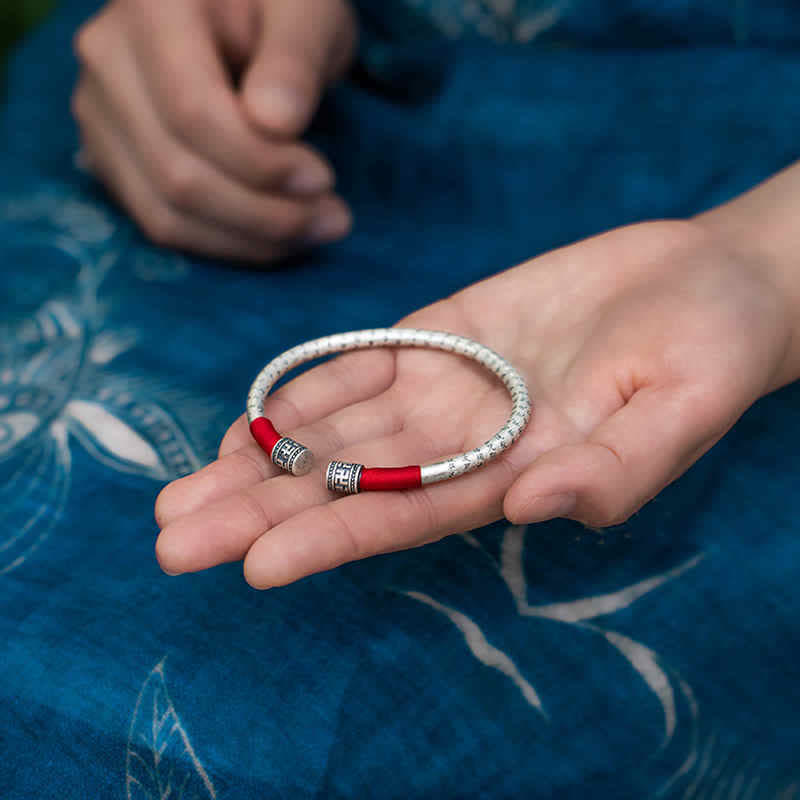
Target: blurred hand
(190, 112)
(641, 348)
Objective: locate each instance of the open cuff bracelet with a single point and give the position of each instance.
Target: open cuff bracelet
(348, 478)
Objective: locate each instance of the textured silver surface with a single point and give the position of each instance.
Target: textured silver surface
(292, 456)
(411, 337)
(343, 477)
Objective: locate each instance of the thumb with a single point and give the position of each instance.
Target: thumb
(657, 435)
(303, 44)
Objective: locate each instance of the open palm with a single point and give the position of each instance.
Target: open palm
(641, 348)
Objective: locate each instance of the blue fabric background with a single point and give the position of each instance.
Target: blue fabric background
(460, 158)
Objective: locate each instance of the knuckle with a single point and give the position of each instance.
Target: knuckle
(257, 517)
(162, 226)
(289, 222)
(87, 45)
(179, 180)
(352, 548)
(188, 111)
(270, 170)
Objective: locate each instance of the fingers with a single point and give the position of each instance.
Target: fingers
(345, 380)
(302, 45)
(173, 50)
(177, 55)
(622, 464)
(338, 403)
(249, 466)
(197, 540)
(165, 225)
(155, 82)
(188, 183)
(266, 518)
(223, 531)
(358, 526)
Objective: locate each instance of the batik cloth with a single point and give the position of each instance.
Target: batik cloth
(658, 659)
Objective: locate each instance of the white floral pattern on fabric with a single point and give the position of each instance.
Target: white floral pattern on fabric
(57, 383)
(662, 681)
(705, 768)
(160, 761)
(518, 21)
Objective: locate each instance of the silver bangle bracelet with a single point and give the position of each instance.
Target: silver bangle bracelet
(348, 478)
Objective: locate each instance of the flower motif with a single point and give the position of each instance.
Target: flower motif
(160, 761)
(583, 613)
(499, 20)
(56, 379)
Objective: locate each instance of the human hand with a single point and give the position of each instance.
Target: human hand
(190, 110)
(641, 348)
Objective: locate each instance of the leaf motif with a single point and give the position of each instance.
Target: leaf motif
(113, 441)
(107, 345)
(691, 758)
(578, 612)
(160, 761)
(55, 365)
(722, 768)
(644, 661)
(130, 401)
(486, 653)
(151, 266)
(705, 762)
(87, 223)
(14, 427)
(471, 540)
(46, 491)
(586, 608)
(62, 315)
(511, 567)
(526, 30)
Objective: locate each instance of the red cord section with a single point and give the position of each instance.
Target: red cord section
(381, 479)
(265, 434)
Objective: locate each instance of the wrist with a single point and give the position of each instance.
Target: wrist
(759, 229)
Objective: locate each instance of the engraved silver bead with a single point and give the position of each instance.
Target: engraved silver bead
(292, 456)
(343, 477)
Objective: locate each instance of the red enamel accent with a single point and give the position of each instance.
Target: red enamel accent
(378, 479)
(265, 434)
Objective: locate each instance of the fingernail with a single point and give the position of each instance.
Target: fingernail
(331, 224)
(310, 179)
(278, 107)
(549, 507)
